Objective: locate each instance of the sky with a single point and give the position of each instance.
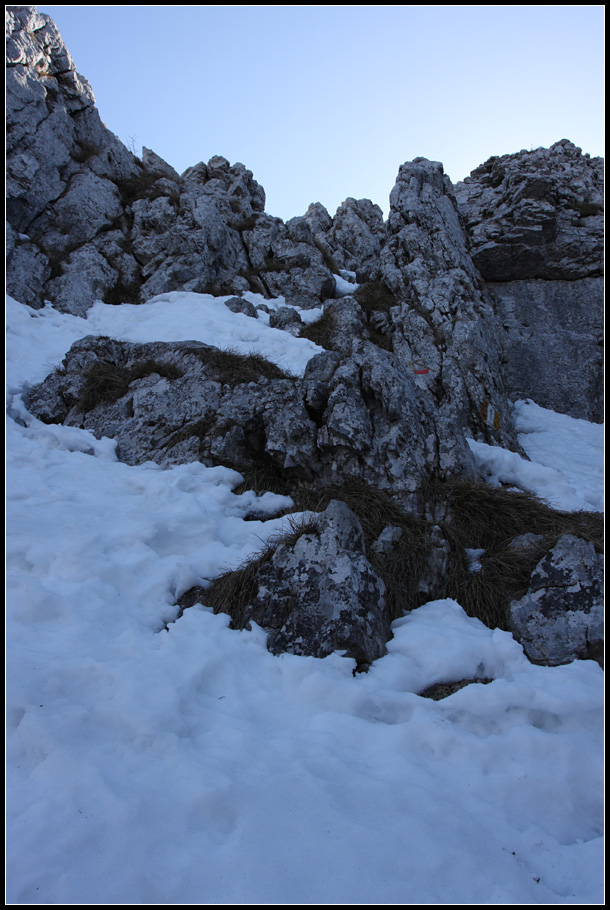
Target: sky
(326, 102)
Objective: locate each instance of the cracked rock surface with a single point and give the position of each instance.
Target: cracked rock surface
(561, 618)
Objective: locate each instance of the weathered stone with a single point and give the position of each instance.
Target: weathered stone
(286, 318)
(554, 343)
(561, 617)
(358, 418)
(240, 305)
(536, 214)
(62, 162)
(86, 277)
(445, 330)
(356, 238)
(321, 594)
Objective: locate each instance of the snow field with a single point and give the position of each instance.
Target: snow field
(189, 765)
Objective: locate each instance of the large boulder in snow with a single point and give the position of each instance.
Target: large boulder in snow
(317, 593)
(561, 618)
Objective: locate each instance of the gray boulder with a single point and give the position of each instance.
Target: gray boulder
(319, 593)
(239, 305)
(561, 618)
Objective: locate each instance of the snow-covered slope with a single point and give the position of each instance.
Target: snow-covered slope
(152, 761)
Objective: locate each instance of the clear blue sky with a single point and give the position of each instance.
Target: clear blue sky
(325, 102)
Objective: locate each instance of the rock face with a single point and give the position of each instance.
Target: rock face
(433, 321)
(353, 418)
(561, 370)
(445, 322)
(536, 229)
(536, 214)
(561, 618)
(64, 169)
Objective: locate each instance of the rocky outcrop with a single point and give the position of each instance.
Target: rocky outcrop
(88, 220)
(358, 417)
(64, 168)
(536, 229)
(353, 239)
(444, 326)
(433, 321)
(536, 214)
(561, 618)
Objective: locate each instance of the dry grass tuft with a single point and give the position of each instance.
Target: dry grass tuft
(233, 591)
(233, 368)
(490, 518)
(106, 382)
(321, 332)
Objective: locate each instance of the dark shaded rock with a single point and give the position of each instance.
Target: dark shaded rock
(561, 618)
(240, 305)
(554, 333)
(286, 318)
(443, 690)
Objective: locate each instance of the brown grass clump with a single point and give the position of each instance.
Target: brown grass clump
(321, 332)
(375, 296)
(235, 590)
(490, 518)
(106, 382)
(232, 368)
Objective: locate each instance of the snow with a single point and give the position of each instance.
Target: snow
(566, 467)
(153, 761)
(345, 283)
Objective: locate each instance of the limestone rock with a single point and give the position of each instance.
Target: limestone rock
(63, 164)
(445, 330)
(356, 238)
(320, 594)
(357, 418)
(554, 343)
(561, 618)
(535, 225)
(286, 318)
(536, 214)
(239, 305)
